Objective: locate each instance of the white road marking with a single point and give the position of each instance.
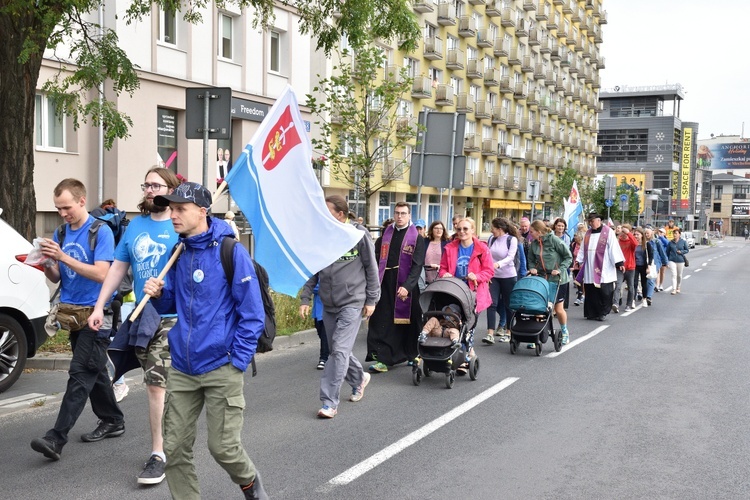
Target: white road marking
(686, 277)
(698, 270)
(367, 465)
(24, 400)
(577, 341)
(704, 264)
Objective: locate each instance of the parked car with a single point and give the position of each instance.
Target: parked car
(24, 305)
(689, 238)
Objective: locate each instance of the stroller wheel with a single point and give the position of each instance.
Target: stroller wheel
(538, 348)
(513, 346)
(427, 371)
(558, 341)
(416, 376)
(473, 368)
(450, 377)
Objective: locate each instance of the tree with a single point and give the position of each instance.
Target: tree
(360, 128)
(29, 27)
(560, 188)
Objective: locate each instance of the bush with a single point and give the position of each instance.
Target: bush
(288, 320)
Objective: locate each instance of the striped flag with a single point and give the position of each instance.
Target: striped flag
(274, 184)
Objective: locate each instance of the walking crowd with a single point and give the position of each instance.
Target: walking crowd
(215, 292)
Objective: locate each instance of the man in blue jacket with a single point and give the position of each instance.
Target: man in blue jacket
(211, 344)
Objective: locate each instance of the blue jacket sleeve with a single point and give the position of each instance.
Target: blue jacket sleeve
(248, 305)
(165, 304)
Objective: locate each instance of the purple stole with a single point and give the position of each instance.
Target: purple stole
(402, 312)
(601, 247)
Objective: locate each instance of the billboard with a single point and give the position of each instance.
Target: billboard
(636, 183)
(724, 156)
(685, 160)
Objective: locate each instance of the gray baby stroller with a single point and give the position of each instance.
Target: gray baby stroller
(439, 354)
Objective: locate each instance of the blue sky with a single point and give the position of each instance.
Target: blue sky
(704, 46)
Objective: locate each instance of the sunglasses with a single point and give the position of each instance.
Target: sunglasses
(462, 229)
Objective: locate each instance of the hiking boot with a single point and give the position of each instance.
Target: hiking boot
(255, 490)
(327, 412)
(104, 430)
(47, 447)
(489, 340)
(358, 392)
(153, 471)
(378, 367)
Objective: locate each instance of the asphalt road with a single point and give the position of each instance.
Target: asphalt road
(649, 404)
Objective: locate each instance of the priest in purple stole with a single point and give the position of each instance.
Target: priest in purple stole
(599, 256)
(397, 320)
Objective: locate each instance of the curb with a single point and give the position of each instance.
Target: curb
(43, 361)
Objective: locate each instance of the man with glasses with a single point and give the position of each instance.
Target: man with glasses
(397, 320)
(145, 247)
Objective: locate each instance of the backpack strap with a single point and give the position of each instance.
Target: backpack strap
(93, 232)
(227, 257)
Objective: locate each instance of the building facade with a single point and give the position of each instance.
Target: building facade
(525, 73)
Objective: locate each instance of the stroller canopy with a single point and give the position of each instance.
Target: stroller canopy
(433, 297)
(531, 295)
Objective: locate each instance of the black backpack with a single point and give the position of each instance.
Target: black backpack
(265, 341)
(517, 258)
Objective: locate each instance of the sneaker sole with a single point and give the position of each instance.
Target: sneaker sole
(151, 480)
(488, 342)
(325, 415)
(115, 434)
(44, 450)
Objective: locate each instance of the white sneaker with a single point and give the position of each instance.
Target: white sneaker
(120, 390)
(360, 391)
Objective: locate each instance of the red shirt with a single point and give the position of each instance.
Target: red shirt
(628, 250)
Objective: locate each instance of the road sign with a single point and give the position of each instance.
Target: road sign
(623, 197)
(609, 203)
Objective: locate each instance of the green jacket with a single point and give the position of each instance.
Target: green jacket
(551, 254)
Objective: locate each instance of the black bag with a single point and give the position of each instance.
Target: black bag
(687, 264)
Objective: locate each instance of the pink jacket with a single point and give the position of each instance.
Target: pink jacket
(480, 263)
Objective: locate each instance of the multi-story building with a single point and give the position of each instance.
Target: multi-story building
(526, 75)
(172, 55)
(644, 142)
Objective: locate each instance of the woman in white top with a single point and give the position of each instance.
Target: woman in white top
(229, 218)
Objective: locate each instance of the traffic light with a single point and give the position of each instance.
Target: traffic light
(671, 192)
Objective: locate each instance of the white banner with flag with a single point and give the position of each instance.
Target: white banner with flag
(274, 184)
(573, 210)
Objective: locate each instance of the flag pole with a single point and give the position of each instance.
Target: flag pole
(175, 255)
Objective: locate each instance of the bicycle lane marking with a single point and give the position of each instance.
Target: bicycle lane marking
(378, 458)
(578, 341)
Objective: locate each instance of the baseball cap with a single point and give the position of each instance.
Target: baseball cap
(187, 192)
(420, 223)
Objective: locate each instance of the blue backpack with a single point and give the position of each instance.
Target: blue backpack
(116, 219)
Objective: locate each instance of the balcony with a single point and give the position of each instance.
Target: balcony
(579, 45)
(393, 74)
(433, 48)
(558, 2)
(542, 159)
(491, 77)
(545, 45)
(444, 95)
(597, 34)
(521, 90)
(578, 15)
(602, 17)
(527, 65)
(512, 122)
(455, 59)
(489, 147)
(559, 84)
(467, 27)
(596, 84)
(477, 2)
(577, 94)
(446, 14)
(531, 157)
(495, 180)
(483, 39)
(421, 88)
(566, 8)
(535, 37)
(474, 69)
(492, 8)
(542, 11)
(483, 110)
(504, 150)
(553, 22)
(499, 115)
(464, 103)
(544, 103)
(393, 169)
(553, 108)
(554, 51)
(521, 29)
(406, 126)
(533, 98)
(518, 154)
(568, 92)
(526, 126)
(424, 6)
(502, 47)
(505, 86)
(514, 59)
(336, 117)
(472, 142)
(508, 19)
(539, 72)
(481, 179)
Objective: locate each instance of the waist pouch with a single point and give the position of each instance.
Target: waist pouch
(72, 317)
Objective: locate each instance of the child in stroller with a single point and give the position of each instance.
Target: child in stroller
(449, 324)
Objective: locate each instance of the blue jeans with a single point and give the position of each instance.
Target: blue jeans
(321, 329)
(87, 379)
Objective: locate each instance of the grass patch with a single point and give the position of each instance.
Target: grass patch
(288, 322)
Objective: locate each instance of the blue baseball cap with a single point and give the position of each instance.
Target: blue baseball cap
(420, 223)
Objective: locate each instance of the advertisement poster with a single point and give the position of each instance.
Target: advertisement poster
(635, 183)
(724, 156)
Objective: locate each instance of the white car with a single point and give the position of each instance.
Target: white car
(689, 239)
(24, 305)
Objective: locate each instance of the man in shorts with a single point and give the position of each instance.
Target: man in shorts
(146, 247)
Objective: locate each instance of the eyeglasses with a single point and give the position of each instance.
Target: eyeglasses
(462, 229)
(400, 214)
(152, 187)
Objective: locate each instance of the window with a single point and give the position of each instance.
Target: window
(166, 142)
(412, 67)
(487, 132)
(168, 26)
(50, 128)
(275, 63)
(225, 36)
(717, 207)
(718, 193)
(386, 201)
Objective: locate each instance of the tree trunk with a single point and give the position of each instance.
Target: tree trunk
(17, 91)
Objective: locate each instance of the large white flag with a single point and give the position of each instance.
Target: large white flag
(274, 184)
(573, 210)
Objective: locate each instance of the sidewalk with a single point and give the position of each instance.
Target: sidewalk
(56, 361)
